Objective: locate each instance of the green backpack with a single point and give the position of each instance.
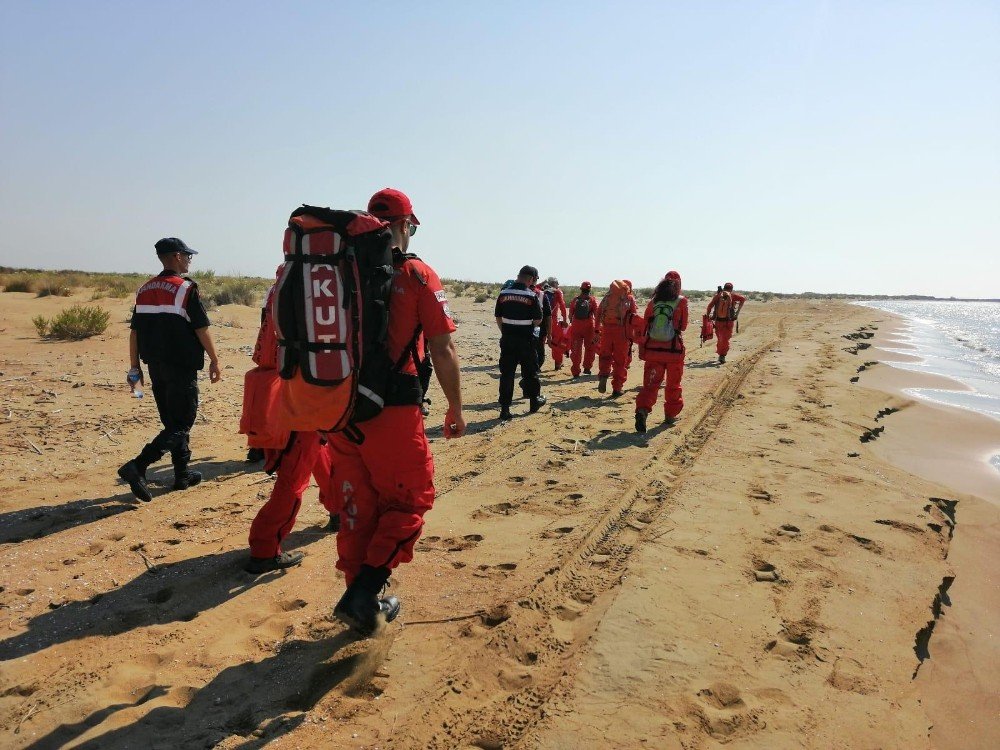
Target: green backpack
(661, 325)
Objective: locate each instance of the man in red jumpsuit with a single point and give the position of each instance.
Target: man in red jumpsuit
(583, 331)
(724, 309)
(303, 456)
(662, 349)
(615, 316)
(386, 483)
(559, 328)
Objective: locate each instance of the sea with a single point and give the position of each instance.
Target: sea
(959, 340)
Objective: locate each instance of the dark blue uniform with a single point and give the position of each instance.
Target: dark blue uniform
(517, 308)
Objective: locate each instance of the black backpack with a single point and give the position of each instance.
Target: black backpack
(581, 308)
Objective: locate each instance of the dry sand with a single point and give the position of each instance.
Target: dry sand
(738, 579)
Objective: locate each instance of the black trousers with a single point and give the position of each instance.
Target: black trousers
(175, 390)
(518, 351)
(540, 343)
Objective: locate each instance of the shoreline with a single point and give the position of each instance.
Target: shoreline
(956, 448)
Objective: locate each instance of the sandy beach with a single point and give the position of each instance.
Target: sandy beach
(802, 561)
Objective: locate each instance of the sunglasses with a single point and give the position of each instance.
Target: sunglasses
(411, 228)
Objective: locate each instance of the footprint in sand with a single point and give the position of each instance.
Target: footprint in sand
(722, 695)
(765, 572)
(499, 570)
(789, 530)
(116, 537)
(556, 533)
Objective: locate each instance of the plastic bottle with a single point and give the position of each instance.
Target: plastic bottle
(134, 377)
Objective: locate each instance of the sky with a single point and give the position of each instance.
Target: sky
(783, 146)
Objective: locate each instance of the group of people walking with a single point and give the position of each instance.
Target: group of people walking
(531, 315)
(376, 476)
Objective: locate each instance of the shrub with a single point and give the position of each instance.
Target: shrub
(481, 298)
(238, 291)
(74, 323)
(18, 284)
(52, 286)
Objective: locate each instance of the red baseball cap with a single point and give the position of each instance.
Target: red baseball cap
(390, 203)
(728, 286)
(585, 285)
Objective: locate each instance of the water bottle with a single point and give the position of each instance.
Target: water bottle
(537, 331)
(134, 376)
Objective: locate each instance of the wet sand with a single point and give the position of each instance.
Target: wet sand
(739, 579)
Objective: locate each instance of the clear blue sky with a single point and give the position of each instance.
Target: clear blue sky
(788, 146)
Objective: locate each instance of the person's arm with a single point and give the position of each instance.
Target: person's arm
(499, 323)
(711, 305)
(133, 357)
(561, 304)
(682, 315)
(446, 366)
(214, 373)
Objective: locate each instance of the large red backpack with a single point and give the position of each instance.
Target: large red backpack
(331, 314)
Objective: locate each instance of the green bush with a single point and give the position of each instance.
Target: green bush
(74, 323)
(18, 284)
(237, 291)
(52, 286)
(481, 298)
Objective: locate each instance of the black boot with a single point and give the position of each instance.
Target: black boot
(505, 415)
(136, 479)
(640, 422)
(722, 359)
(255, 455)
(360, 608)
(334, 526)
(182, 477)
(536, 403)
(602, 384)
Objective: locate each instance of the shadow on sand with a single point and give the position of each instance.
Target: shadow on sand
(177, 592)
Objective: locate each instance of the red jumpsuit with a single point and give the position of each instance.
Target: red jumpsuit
(583, 332)
(302, 457)
(559, 341)
(386, 483)
(724, 326)
(558, 305)
(664, 361)
(616, 344)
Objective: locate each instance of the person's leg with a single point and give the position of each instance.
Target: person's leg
(619, 357)
(530, 383)
(322, 473)
(673, 399)
(401, 468)
(184, 406)
(589, 350)
(354, 493)
(276, 517)
(508, 368)
(575, 349)
(652, 378)
(723, 333)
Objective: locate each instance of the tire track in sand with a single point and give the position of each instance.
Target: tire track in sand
(533, 643)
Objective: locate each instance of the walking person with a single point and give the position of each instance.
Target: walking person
(584, 331)
(724, 309)
(169, 332)
(518, 313)
(615, 315)
(385, 480)
(294, 458)
(545, 329)
(661, 347)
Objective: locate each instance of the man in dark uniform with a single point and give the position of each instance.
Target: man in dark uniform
(518, 314)
(170, 334)
(546, 328)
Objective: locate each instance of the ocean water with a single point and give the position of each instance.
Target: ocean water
(959, 340)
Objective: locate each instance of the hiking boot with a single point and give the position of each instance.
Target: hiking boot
(334, 526)
(255, 455)
(602, 384)
(505, 415)
(536, 403)
(669, 421)
(258, 565)
(640, 422)
(558, 366)
(185, 479)
(575, 377)
(586, 372)
(136, 480)
(360, 608)
(722, 359)
(617, 394)
(425, 410)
